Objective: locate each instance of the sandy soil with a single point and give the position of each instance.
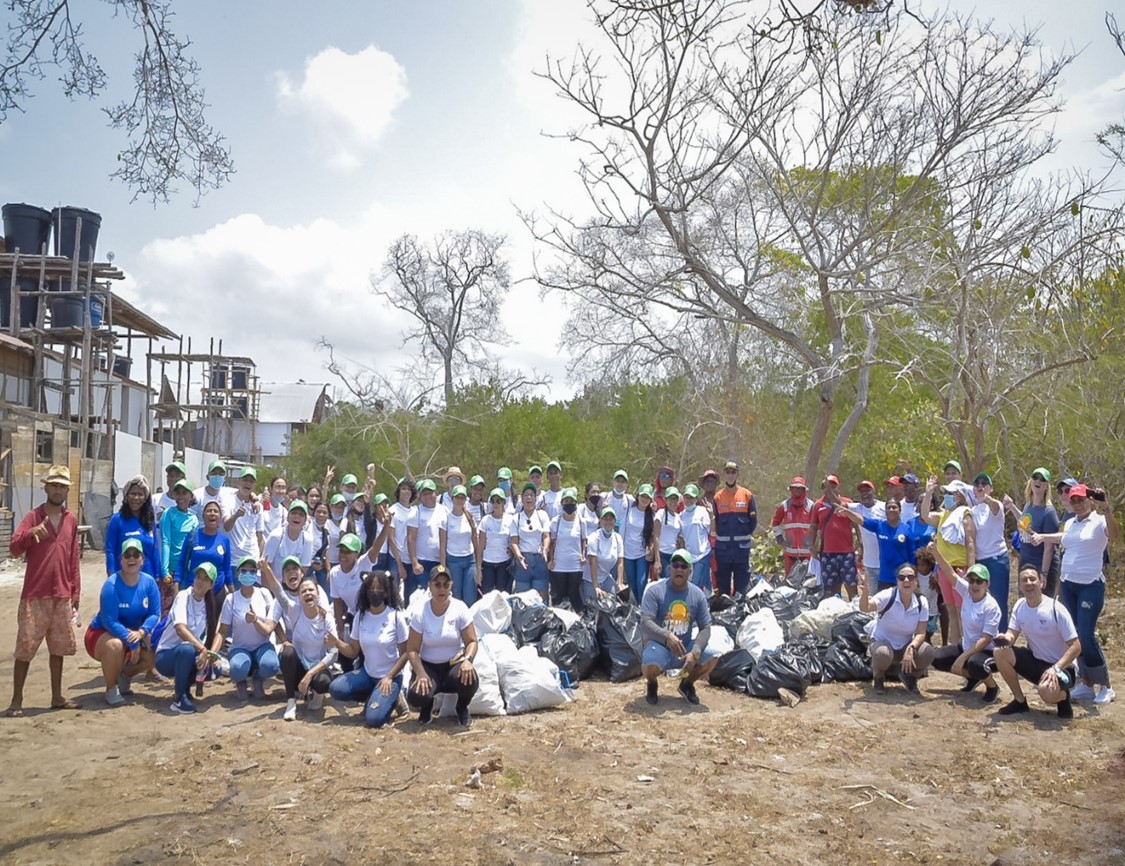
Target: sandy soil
(842, 778)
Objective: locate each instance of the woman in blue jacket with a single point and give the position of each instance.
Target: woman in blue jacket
(208, 543)
(120, 634)
(135, 519)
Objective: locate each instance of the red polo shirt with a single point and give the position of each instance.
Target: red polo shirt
(835, 529)
(52, 564)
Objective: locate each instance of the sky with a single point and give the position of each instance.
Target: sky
(356, 123)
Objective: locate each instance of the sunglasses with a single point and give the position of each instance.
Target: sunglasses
(906, 578)
(977, 581)
(680, 565)
(131, 554)
(1038, 478)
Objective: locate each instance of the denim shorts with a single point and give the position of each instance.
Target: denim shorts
(658, 654)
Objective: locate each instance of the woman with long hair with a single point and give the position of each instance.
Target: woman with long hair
(401, 510)
(566, 553)
(955, 540)
(176, 525)
(311, 646)
(459, 546)
(182, 651)
(637, 535)
(1038, 516)
(495, 552)
(137, 519)
(208, 543)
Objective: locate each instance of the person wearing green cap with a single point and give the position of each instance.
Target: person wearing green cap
(246, 524)
(245, 619)
(401, 512)
(458, 546)
(638, 536)
(337, 521)
(312, 645)
(605, 553)
(529, 543)
(345, 579)
(495, 533)
(667, 527)
(618, 498)
(991, 546)
(535, 476)
(182, 650)
(374, 520)
(173, 472)
(215, 490)
(120, 634)
(286, 595)
(208, 543)
(477, 504)
(566, 553)
(980, 623)
(697, 527)
(291, 539)
(423, 536)
(550, 500)
(176, 526)
(1038, 516)
(511, 493)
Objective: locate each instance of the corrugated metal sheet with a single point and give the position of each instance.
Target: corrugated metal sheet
(288, 402)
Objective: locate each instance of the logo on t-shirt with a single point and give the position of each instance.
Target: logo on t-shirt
(678, 618)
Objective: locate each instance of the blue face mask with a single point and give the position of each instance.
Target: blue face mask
(248, 579)
(216, 481)
(607, 532)
(348, 497)
(506, 486)
(949, 501)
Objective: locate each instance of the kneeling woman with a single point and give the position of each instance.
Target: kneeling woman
(120, 634)
(245, 617)
(441, 648)
(380, 631)
(183, 647)
(900, 630)
(310, 648)
(980, 623)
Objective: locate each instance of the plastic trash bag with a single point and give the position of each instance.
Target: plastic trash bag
(810, 653)
(729, 618)
(759, 633)
(529, 682)
(530, 623)
(575, 651)
(492, 614)
(844, 664)
(798, 574)
(819, 622)
(851, 628)
(487, 701)
(717, 603)
(732, 670)
(568, 616)
(619, 638)
(777, 670)
(720, 641)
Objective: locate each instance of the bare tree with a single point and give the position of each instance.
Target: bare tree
(168, 138)
(453, 289)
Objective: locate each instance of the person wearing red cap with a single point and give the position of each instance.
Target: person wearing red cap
(869, 508)
(791, 523)
(832, 541)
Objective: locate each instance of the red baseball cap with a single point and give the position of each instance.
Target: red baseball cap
(894, 480)
(832, 478)
(1077, 490)
(863, 484)
(710, 473)
(797, 481)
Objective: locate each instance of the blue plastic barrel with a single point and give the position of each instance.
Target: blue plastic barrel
(29, 228)
(66, 224)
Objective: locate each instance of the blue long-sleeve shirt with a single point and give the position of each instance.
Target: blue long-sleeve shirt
(120, 528)
(175, 528)
(126, 608)
(198, 548)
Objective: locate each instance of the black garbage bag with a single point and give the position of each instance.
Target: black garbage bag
(844, 664)
(619, 638)
(717, 603)
(798, 574)
(850, 628)
(585, 637)
(809, 598)
(531, 622)
(784, 607)
(811, 653)
(780, 669)
(732, 670)
(731, 618)
(562, 649)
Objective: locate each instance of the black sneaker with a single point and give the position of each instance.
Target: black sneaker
(969, 685)
(651, 692)
(1013, 707)
(910, 682)
(1066, 711)
(464, 719)
(991, 694)
(880, 687)
(688, 691)
(426, 715)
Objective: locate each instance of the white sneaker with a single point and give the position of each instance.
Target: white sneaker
(113, 697)
(1105, 695)
(1082, 692)
(315, 701)
(290, 714)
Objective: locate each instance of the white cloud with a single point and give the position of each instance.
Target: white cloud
(350, 99)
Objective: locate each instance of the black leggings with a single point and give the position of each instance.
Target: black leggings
(495, 575)
(978, 666)
(567, 586)
(444, 677)
(292, 669)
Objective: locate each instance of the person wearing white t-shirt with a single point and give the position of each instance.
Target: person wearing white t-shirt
(605, 551)
(618, 498)
(588, 514)
(346, 579)
(529, 544)
(291, 540)
(875, 509)
(311, 646)
(457, 546)
(668, 527)
(639, 537)
(244, 523)
(697, 527)
(550, 500)
(245, 619)
(423, 536)
(566, 552)
(1084, 539)
(402, 511)
(495, 533)
(900, 630)
(980, 623)
(182, 650)
(441, 646)
(214, 490)
(286, 597)
(991, 547)
(337, 518)
(173, 472)
(274, 510)
(379, 631)
(1052, 647)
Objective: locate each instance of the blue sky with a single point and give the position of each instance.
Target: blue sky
(351, 123)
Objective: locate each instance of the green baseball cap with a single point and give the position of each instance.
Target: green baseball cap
(569, 493)
(504, 473)
(530, 485)
(535, 470)
(554, 464)
(458, 490)
(182, 484)
(609, 511)
(1045, 473)
(497, 493)
(248, 472)
(350, 541)
(379, 499)
(291, 559)
(426, 484)
(178, 466)
(476, 481)
(247, 559)
(348, 479)
(621, 473)
(669, 492)
(980, 570)
(209, 571)
(299, 505)
(645, 490)
(691, 490)
(338, 499)
(985, 477)
(952, 463)
(682, 555)
(132, 544)
(217, 466)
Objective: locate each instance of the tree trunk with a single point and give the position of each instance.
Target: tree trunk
(820, 431)
(864, 390)
(448, 368)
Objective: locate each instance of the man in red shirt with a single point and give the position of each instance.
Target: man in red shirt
(832, 540)
(791, 524)
(48, 536)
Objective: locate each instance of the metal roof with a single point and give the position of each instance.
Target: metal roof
(288, 402)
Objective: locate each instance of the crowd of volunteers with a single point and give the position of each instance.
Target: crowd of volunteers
(366, 597)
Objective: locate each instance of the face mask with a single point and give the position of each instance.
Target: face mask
(506, 486)
(377, 599)
(247, 579)
(277, 500)
(336, 518)
(570, 507)
(593, 502)
(948, 501)
(348, 497)
(607, 532)
(618, 489)
(216, 481)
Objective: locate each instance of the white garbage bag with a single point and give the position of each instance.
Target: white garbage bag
(492, 614)
(529, 681)
(567, 616)
(487, 701)
(760, 633)
(819, 622)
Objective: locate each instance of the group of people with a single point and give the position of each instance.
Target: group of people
(313, 584)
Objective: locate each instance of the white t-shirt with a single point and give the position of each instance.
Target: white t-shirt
(458, 535)
(185, 611)
(1084, 542)
(441, 635)
(279, 546)
(632, 533)
(670, 527)
(429, 522)
(530, 529)
(225, 497)
(243, 634)
(244, 534)
(878, 511)
(551, 502)
(567, 537)
(978, 618)
(928, 586)
(909, 511)
(608, 551)
(401, 522)
(345, 585)
(164, 503)
(286, 605)
(335, 530)
(273, 517)
(497, 532)
(308, 638)
(379, 636)
(619, 504)
(589, 519)
(898, 625)
(1047, 627)
(696, 530)
(990, 532)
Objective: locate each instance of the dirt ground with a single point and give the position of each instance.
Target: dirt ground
(841, 778)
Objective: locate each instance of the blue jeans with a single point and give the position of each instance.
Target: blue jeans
(463, 570)
(999, 578)
(1085, 602)
(658, 654)
(179, 664)
(701, 573)
(418, 581)
(261, 661)
(358, 685)
(636, 576)
(534, 576)
(665, 565)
